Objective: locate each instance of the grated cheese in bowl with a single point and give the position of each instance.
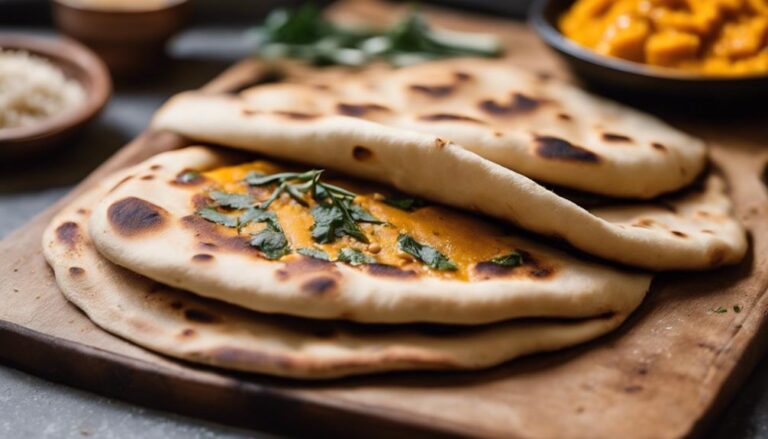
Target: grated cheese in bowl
(33, 89)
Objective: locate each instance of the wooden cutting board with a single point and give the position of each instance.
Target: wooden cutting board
(663, 374)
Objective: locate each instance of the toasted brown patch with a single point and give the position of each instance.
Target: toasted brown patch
(644, 222)
(305, 265)
(83, 211)
(564, 116)
(359, 110)
(518, 104)
(708, 231)
(188, 332)
(717, 255)
(297, 115)
(361, 153)
(68, 233)
(132, 216)
(560, 149)
(443, 117)
(211, 234)
(155, 167)
(679, 234)
(613, 137)
(76, 271)
(462, 76)
(254, 358)
(435, 91)
(320, 286)
(385, 270)
(208, 245)
(658, 146)
(199, 316)
(148, 177)
(249, 111)
(202, 257)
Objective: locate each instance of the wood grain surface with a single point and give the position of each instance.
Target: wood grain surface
(663, 374)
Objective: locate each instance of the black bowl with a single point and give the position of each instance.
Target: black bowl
(635, 80)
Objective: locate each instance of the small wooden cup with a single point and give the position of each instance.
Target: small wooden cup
(131, 42)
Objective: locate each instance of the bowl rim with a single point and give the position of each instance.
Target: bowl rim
(171, 4)
(554, 38)
(98, 88)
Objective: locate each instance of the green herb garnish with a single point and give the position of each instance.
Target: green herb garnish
(271, 241)
(331, 223)
(304, 33)
(313, 253)
(214, 216)
(407, 204)
(513, 259)
(354, 257)
(426, 254)
(230, 200)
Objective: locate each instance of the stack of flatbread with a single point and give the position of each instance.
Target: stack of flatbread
(452, 215)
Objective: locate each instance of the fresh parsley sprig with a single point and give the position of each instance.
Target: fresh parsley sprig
(304, 33)
(335, 214)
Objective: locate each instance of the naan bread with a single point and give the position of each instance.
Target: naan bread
(545, 129)
(188, 327)
(148, 225)
(693, 231)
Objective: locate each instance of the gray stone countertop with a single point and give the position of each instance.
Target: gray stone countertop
(31, 407)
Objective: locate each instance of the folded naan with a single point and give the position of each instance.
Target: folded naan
(187, 220)
(693, 230)
(545, 129)
(192, 328)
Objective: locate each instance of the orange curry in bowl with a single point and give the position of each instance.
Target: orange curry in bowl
(708, 37)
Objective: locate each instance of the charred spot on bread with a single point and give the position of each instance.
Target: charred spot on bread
(133, 216)
(155, 167)
(385, 270)
(188, 332)
(68, 233)
(448, 117)
(560, 149)
(320, 286)
(199, 316)
(679, 234)
(76, 271)
(296, 115)
(359, 110)
(659, 146)
(564, 116)
(202, 257)
(518, 104)
(435, 91)
(361, 153)
(304, 265)
(233, 355)
(614, 137)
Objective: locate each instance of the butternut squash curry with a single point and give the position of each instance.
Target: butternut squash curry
(709, 37)
(284, 213)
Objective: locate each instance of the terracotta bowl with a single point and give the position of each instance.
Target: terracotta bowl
(78, 63)
(131, 42)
